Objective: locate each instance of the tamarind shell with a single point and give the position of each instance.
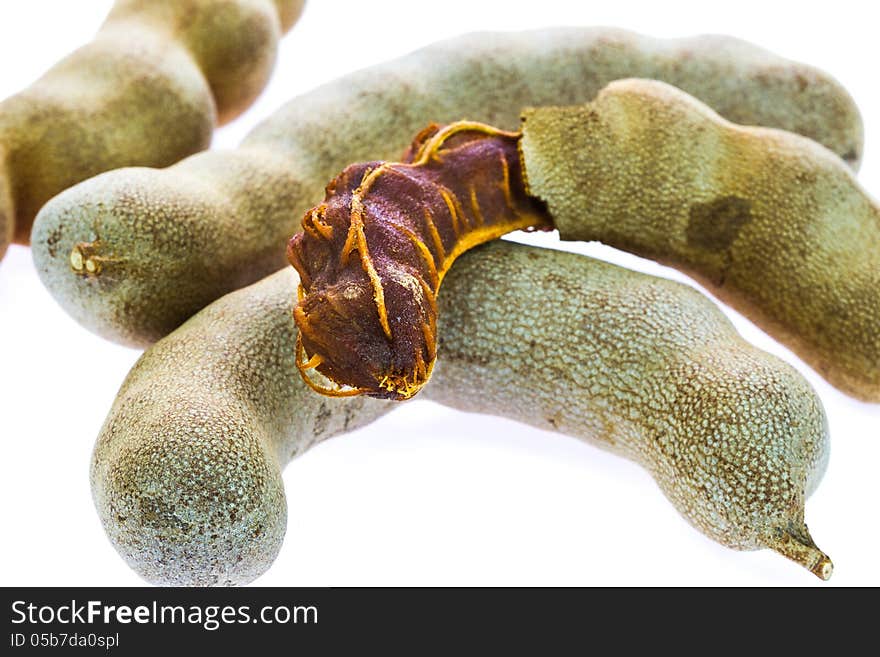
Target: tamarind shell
(771, 222)
(146, 91)
(164, 243)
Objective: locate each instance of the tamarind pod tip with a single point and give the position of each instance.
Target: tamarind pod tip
(289, 12)
(824, 569)
(800, 548)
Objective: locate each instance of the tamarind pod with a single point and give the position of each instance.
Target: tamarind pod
(371, 258)
(771, 222)
(146, 91)
(186, 470)
(645, 367)
(163, 244)
(186, 474)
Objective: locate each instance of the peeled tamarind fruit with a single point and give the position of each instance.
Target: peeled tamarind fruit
(147, 91)
(133, 253)
(371, 257)
(769, 221)
(186, 473)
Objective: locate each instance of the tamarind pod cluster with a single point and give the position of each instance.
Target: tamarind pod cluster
(372, 256)
(769, 221)
(133, 253)
(186, 470)
(147, 91)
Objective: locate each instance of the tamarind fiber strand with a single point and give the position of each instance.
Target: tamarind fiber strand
(146, 91)
(131, 254)
(186, 471)
(769, 221)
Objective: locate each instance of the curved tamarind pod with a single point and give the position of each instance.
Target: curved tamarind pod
(147, 91)
(163, 244)
(186, 470)
(772, 223)
(186, 474)
(371, 258)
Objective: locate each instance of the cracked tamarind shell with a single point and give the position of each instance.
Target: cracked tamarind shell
(770, 222)
(186, 471)
(131, 254)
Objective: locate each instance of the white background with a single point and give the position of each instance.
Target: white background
(425, 495)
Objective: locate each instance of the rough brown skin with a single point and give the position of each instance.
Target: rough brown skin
(772, 223)
(186, 473)
(147, 91)
(165, 243)
(373, 255)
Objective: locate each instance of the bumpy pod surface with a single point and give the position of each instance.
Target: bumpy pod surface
(158, 245)
(186, 474)
(371, 258)
(147, 91)
(771, 222)
(186, 470)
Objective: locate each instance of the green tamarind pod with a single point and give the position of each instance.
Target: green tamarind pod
(186, 472)
(146, 91)
(769, 221)
(131, 254)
